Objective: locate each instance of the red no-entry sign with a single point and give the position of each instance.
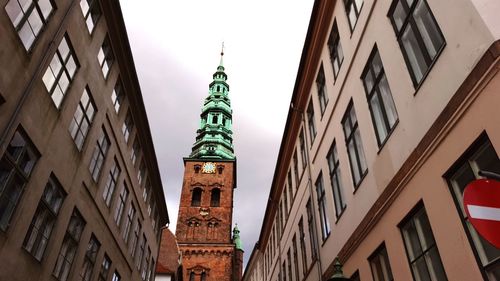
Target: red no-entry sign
(482, 205)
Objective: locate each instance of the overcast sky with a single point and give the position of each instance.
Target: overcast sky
(176, 47)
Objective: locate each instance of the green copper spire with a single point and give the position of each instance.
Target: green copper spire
(214, 138)
(236, 238)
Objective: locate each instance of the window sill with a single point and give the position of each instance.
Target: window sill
(381, 146)
(340, 215)
(418, 85)
(356, 186)
(326, 238)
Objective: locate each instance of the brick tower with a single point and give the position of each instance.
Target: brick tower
(203, 232)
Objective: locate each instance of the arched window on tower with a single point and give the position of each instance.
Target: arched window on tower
(215, 198)
(215, 119)
(203, 276)
(218, 88)
(191, 276)
(196, 197)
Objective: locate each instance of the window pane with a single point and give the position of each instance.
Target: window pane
(354, 162)
(14, 12)
(434, 265)
(428, 29)
(378, 118)
(45, 7)
(390, 108)
(26, 36)
(414, 54)
(360, 150)
(399, 15)
(420, 270)
(35, 22)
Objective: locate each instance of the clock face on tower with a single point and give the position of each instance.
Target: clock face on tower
(208, 168)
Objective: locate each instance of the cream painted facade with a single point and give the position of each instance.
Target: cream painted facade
(446, 119)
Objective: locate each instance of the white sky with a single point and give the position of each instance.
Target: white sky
(176, 47)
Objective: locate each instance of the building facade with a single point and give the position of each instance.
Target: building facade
(393, 113)
(209, 251)
(80, 190)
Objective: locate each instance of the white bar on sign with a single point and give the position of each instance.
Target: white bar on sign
(484, 213)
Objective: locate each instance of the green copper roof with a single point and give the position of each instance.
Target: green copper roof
(214, 138)
(236, 238)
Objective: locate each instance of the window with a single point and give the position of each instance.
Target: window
(105, 57)
(140, 256)
(320, 85)
(378, 93)
(43, 221)
(284, 271)
(105, 266)
(116, 276)
(61, 71)
(335, 48)
(310, 121)
(285, 203)
(135, 238)
(141, 174)
(152, 270)
(352, 9)
(128, 223)
(289, 258)
(69, 246)
(117, 95)
(290, 187)
(379, 263)
(109, 188)
(336, 180)
(296, 169)
(310, 226)
(355, 276)
(354, 145)
(215, 119)
(121, 204)
(295, 257)
(99, 155)
(82, 120)
(215, 198)
(302, 238)
(203, 276)
(136, 148)
(196, 197)
(145, 264)
(421, 248)
(191, 276)
(146, 191)
(89, 258)
(481, 156)
(29, 18)
(419, 36)
(127, 127)
(91, 12)
(303, 149)
(320, 191)
(15, 169)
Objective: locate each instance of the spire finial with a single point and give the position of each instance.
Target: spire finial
(221, 54)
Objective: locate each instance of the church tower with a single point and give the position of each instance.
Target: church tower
(209, 252)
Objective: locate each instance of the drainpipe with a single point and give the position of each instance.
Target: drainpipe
(38, 71)
(311, 190)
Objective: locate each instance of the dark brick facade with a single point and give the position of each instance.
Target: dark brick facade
(204, 232)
